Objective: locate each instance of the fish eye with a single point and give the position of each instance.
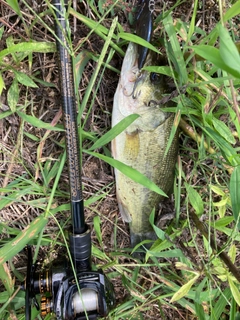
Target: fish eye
(154, 77)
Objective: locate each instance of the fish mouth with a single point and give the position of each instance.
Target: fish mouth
(136, 91)
(130, 71)
(130, 64)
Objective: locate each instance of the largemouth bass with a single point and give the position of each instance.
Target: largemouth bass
(142, 145)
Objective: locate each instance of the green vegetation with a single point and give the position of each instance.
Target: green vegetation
(192, 270)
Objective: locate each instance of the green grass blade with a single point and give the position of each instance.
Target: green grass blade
(228, 50)
(91, 24)
(221, 303)
(129, 172)
(112, 133)
(21, 240)
(195, 199)
(97, 228)
(2, 84)
(223, 130)
(213, 54)
(6, 278)
(170, 253)
(37, 122)
(98, 67)
(178, 54)
(13, 95)
(160, 69)
(199, 311)
(193, 20)
(234, 290)
(43, 47)
(228, 152)
(183, 291)
(79, 63)
(15, 6)
(24, 79)
(133, 38)
(198, 301)
(234, 189)
(100, 30)
(232, 12)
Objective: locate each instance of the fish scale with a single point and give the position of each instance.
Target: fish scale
(142, 145)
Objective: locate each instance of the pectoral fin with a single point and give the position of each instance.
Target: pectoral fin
(132, 145)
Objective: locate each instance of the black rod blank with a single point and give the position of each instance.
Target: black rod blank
(70, 119)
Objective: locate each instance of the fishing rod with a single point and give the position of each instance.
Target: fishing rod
(83, 293)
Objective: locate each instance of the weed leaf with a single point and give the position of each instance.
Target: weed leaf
(223, 130)
(96, 252)
(95, 74)
(232, 253)
(92, 24)
(25, 80)
(183, 291)
(193, 20)
(2, 84)
(235, 193)
(234, 290)
(223, 222)
(160, 233)
(195, 199)
(13, 95)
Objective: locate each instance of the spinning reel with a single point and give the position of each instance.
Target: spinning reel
(82, 293)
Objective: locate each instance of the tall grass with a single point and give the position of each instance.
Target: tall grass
(191, 271)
